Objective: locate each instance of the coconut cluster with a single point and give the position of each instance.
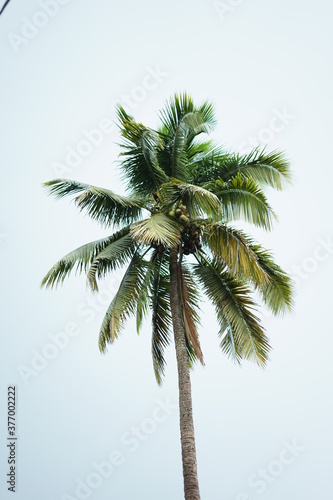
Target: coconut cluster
(180, 213)
(191, 239)
(191, 234)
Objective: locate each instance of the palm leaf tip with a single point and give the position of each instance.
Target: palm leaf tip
(63, 187)
(122, 114)
(271, 168)
(278, 293)
(181, 106)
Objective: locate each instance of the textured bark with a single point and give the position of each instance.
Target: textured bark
(191, 484)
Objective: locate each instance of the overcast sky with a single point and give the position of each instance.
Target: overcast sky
(64, 64)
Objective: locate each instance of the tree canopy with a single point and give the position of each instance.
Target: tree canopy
(183, 192)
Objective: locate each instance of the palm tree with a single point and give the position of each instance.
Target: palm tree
(173, 233)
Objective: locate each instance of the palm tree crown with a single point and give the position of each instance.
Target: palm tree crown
(182, 194)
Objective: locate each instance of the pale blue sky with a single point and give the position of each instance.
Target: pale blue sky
(267, 68)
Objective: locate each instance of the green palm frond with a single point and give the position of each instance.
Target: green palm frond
(243, 199)
(179, 167)
(113, 256)
(198, 150)
(278, 292)
(235, 249)
(197, 199)
(139, 155)
(197, 123)
(64, 187)
(181, 106)
(189, 304)
(164, 153)
(271, 169)
(182, 122)
(207, 113)
(79, 259)
(206, 167)
(101, 204)
(161, 315)
(249, 261)
(159, 229)
(143, 302)
(124, 302)
(174, 111)
(242, 334)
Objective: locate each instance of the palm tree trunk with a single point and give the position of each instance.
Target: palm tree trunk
(191, 484)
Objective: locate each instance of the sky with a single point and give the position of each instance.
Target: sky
(93, 426)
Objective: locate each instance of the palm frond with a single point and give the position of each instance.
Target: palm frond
(161, 315)
(198, 150)
(271, 169)
(242, 334)
(139, 155)
(230, 343)
(243, 199)
(277, 293)
(113, 256)
(206, 111)
(159, 229)
(202, 120)
(124, 302)
(79, 259)
(189, 305)
(206, 167)
(182, 122)
(179, 167)
(181, 106)
(144, 296)
(234, 247)
(197, 199)
(101, 204)
(175, 109)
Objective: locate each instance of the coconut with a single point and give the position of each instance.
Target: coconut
(183, 218)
